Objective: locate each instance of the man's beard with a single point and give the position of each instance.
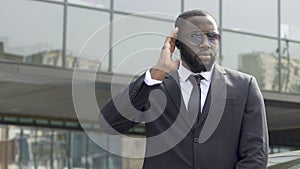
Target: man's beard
(193, 61)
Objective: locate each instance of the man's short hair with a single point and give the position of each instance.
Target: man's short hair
(181, 19)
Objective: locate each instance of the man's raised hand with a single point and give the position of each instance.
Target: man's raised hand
(166, 63)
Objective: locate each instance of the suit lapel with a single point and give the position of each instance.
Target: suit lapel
(215, 105)
(218, 82)
(172, 87)
(212, 113)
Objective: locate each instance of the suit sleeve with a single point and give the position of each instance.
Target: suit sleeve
(124, 109)
(253, 147)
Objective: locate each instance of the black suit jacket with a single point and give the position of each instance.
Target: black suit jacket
(230, 134)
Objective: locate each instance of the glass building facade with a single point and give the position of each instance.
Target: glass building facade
(261, 38)
(106, 35)
(39, 143)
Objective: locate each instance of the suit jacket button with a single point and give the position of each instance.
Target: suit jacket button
(196, 140)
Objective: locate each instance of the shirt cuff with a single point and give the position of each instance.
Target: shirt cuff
(149, 81)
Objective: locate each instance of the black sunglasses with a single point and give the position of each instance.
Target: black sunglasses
(197, 37)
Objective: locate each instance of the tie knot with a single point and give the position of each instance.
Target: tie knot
(196, 79)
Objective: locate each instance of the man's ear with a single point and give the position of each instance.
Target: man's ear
(177, 44)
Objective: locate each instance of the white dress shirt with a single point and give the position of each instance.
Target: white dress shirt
(185, 85)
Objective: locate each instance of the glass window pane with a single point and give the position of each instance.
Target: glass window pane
(290, 67)
(60, 148)
(92, 3)
(211, 6)
(97, 157)
(42, 148)
(13, 146)
(290, 26)
(3, 146)
(251, 15)
(28, 141)
(254, 55)
(88, 37)
(170, 8)
(54, 0)
(78, 155)
(33, 32)
(137, 48)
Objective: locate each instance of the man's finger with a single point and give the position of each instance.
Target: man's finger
(173, 39)
(172, 35)
(169, 44)
(174, 32)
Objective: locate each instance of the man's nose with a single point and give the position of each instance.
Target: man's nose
(206, 42)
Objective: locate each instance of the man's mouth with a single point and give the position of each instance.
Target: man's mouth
(204, 55)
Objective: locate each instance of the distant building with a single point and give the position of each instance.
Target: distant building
(264, 67)
(8, 56)
(54, 58)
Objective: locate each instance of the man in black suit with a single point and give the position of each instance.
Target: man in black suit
(197, 114)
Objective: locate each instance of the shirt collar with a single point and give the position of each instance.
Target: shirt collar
(184, 73)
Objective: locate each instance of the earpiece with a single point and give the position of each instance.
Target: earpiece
(177, 44)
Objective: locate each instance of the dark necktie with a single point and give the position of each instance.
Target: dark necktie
(194, 104)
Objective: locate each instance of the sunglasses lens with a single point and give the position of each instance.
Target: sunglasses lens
(212, 37)
(196, 38)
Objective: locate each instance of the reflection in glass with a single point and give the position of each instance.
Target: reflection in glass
(290, 26)
(13, 146)
(97, 157)
(60, 141)
(254, 16)
(290, 67)
(78, 147)
(25, 143)
(33, 32)
(137, 48)
(87, 48)
(3, 146)
(57, 0)
(211, 6)
(92, 3)
(170, 8)
(42, 148)
(254, 55)
(38, 148)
